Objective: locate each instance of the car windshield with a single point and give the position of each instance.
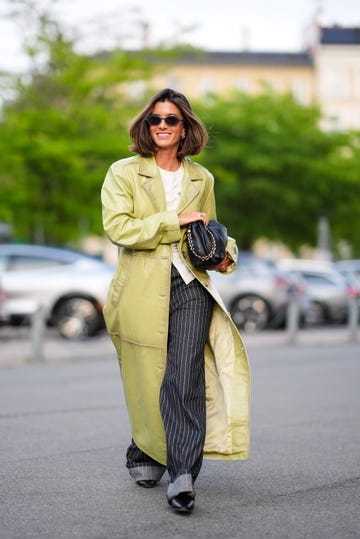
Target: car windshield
(28, 262)
(323, 279)
(320, 280)
(17, 257)
(253, 265)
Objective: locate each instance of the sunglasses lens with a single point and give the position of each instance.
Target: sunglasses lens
(171, 121)
(155, 119)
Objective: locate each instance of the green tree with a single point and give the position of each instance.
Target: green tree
(66, 121)
(277, 172)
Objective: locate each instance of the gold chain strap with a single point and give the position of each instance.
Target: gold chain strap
(191, 245)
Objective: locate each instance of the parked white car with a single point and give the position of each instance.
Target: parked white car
(69, 286)
(256, 294)
(327, 289)
(350, 269)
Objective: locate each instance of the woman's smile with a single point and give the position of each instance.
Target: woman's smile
(166, 137)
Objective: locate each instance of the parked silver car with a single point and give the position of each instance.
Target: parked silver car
(2, 304)
(327, 288)
(69, 286)
(350, 269)
(256, 294)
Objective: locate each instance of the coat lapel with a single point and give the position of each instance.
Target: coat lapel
(151, 183)
(191, 185)
(153, 187)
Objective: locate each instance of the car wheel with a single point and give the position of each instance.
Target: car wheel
(315, 314)
(76, 318)
(250, 313)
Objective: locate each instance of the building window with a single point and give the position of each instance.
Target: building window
(207, 85)
(243, 85)
(136, 89)
(173, 82)
(357, 83)
(334, 83)
(275, 85)
(299, 91)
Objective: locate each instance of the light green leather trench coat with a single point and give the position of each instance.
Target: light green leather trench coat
(136, 311)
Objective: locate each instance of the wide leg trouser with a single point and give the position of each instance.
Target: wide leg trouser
(182, 394)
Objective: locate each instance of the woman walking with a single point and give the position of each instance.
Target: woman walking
(183, 364)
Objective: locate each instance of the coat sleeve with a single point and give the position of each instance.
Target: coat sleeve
(232, 250)
(126, 229)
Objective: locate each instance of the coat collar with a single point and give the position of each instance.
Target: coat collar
(152, 184)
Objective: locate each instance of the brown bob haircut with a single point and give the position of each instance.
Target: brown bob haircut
(196, 136)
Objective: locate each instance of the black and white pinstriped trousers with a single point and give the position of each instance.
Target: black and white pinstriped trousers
(182, 394)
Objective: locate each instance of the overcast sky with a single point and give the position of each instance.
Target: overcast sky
(227, 25)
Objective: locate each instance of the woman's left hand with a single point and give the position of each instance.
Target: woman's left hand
(192, 216)
(224, 264)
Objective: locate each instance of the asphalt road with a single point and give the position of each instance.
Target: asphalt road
(64, 433)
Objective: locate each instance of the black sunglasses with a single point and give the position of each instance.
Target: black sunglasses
(171, 120)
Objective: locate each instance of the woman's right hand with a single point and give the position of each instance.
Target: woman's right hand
(192, 216)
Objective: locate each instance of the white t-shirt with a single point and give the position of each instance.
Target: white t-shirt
(173, 185)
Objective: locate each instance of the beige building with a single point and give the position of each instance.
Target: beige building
(336, 55)
(197, 74)
(328, 73)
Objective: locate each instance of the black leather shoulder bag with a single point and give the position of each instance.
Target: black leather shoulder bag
(207, 244)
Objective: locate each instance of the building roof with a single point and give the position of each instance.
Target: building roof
(289, 59)
(337, 35)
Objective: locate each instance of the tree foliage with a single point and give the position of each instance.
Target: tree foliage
(66, 120)
(277, 172)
